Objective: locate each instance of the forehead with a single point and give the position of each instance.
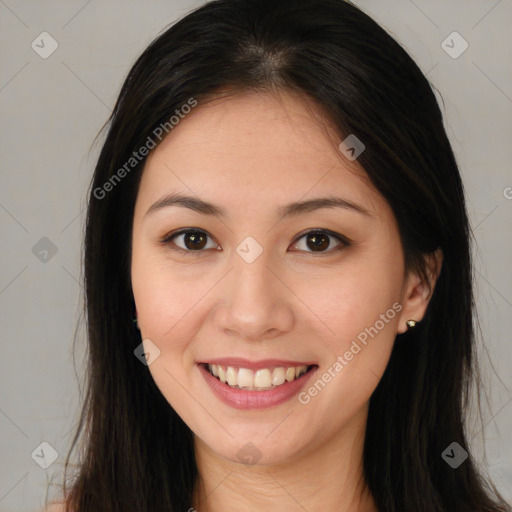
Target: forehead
(260, 126)
(256, 147)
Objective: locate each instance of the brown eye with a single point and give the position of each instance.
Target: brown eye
(316, 241)
(193, 241)
(319, 241)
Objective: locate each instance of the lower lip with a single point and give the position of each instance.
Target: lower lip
(246, 399)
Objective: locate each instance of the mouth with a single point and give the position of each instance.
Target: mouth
(257, 379)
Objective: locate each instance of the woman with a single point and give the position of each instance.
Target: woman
(278, 208)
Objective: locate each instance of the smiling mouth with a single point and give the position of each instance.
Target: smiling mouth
(263, 379)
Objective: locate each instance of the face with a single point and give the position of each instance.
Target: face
(261, 288)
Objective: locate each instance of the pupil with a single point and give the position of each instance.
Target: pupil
(316, 239)
(194, 238)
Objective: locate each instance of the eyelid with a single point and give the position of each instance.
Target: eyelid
(344, 241)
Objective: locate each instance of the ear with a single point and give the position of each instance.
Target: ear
(418, 292)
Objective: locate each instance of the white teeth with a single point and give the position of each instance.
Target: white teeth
(262, 379)
(278, 376)
(245, 378)
(231, 376)
(290, 374)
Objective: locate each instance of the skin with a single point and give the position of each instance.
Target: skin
(250, 154)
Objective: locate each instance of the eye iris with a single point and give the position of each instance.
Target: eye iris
(319, 241)
(198, 240)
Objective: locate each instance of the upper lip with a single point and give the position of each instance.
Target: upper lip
(240, 362)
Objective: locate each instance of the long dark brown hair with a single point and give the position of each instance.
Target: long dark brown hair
(137, 454)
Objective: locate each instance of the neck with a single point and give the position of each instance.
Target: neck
(326, 478)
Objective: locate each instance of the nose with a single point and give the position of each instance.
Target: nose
(255, 304)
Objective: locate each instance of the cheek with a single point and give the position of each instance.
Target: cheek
(359, 307)
(160, 306)
(159, 300)
(168, 300)
(354, 299)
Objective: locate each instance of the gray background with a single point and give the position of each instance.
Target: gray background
(52, 109)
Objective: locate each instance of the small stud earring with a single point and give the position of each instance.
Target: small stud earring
(411, 323)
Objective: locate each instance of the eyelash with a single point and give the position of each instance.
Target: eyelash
(345, 242)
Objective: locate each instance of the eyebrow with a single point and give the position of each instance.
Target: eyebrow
(292, 209)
